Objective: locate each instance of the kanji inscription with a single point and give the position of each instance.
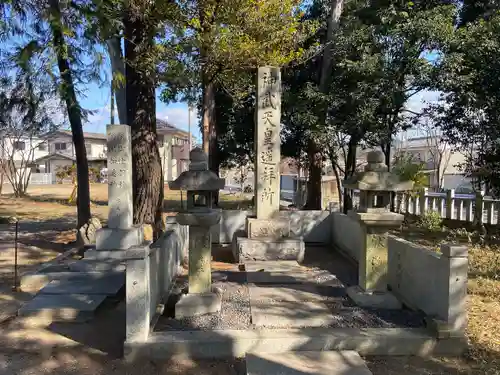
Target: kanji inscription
(268, 119)
(119, 176)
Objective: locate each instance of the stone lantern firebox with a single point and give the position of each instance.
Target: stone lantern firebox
(376, 185)
(200, 184)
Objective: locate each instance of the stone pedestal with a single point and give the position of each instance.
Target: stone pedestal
(200, 257)
(201, 299)
(269, 228)
(372, 288)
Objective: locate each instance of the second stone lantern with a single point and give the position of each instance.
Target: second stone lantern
(375, 184)
(200, 184)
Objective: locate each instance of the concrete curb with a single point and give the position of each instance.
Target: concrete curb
(236, 343)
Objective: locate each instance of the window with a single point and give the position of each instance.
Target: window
(19, 146)
(42, 147)
(60, 146)
(88, 148)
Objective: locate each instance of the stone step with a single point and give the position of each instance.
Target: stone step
(47, 308)
(33, 282)
(294, 293)
(305, 363)
(318, 277)
(91, 265)
(268, 249)
(95, 283)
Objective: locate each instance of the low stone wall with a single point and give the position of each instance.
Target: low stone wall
(435, 283)
(347, 235)
(313, 226)
(150, 272)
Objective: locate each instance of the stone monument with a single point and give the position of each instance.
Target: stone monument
(200, 184)
(268, 233)
(120, 234)
(375, 184)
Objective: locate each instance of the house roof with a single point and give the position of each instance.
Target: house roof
(55, 156)
(162, 127)
(87, 135)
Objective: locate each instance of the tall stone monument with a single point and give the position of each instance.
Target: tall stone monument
(267, 142)
(375, 184)
(200, 184)
(120, 234)
(268, 232)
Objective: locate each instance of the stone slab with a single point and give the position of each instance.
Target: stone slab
(119, 239)
(62, 308)
(33, 282)
(90, 265)
(272, 228)
(106, 284)
(236, 343)
(302, 363)
(292, 293)
(291, 314)
(294, 277)
(268, 249)
(378, 300)
(273, 266)
(197, 304)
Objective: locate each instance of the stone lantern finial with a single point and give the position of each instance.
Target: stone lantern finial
(376, 162)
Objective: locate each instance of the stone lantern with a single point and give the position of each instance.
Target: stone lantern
(200, 184)
(376, 185)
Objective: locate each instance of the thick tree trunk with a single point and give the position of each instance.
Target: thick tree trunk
(350, 169)
(141, 116)
(118, 70)
(315, 176)
(74, 114)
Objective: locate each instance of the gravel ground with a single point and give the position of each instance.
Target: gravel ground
(236, 313)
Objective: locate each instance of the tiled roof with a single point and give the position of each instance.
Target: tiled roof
(87, 135)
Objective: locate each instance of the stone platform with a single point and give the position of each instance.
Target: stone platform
(268, 248)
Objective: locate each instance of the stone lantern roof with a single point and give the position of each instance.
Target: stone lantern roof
(198, 177)
(376, 177)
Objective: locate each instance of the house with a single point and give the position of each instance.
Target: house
(60, 151)
(440, 162)
(174, 147)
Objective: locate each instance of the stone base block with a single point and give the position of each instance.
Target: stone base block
(270, 228)
(268, 249)
(378, 300)
(119, 239)
(197, 304)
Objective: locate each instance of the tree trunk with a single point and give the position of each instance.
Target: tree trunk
(118, 71)
(141, 116)
(350, 169)
(74, 114)
(315, 157)
(208, 116)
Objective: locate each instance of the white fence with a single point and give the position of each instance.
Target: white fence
(42, 178)
(461, 207)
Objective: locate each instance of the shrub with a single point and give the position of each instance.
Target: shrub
(431, 221)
